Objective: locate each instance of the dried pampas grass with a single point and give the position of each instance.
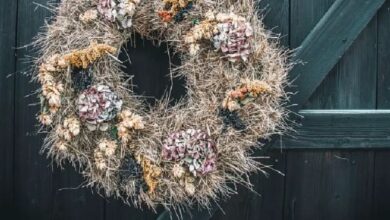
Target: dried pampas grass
(122, 157)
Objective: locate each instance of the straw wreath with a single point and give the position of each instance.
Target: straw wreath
(192, 153)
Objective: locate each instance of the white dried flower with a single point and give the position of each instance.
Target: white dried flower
(89, 16)
(128, 122)
(189, 188)
(121, 11)
(178, 171)
(45, 119)
(61, 146)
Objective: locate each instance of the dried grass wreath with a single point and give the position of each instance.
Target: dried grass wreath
(191, 153)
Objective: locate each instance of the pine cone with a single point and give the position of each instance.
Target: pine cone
(98, 104)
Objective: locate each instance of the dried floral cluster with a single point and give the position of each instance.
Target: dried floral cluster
(89, 16)
(175, 10)
(51, 87)
(66, 132)
(120, 11)
(152, 173)
(171, 155)
(128, 123)
(85, 57)
(229, 33)
(96, 105)
(131, 172)
(233, 38)
(246, 93)
(193, 149)
(104, 154)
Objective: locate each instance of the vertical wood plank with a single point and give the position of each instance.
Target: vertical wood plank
(268, 203)
(352, 82)
(33, 178)
(334, 184)
(8, 13)
(329, 185)
(72, 202)
(382, 162)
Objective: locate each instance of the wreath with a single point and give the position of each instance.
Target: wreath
(191, 153)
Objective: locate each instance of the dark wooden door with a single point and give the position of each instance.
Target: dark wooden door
(336, 167)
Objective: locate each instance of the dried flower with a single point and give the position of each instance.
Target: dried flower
(52, 93)
(229, 33)
(61, 146)
(98, 104)
(69, 129)
(247, 92)
(45, 119)
(100, 161)
(83, 58)
(188, 182)
(107, 147)
(130, 170)
(231, 118)
(178, 171)
(204, 30)
(121, 11)
(191, 148)
(151, 173)
(189, 188)
(128, 122)
(88, 16)
(175, 9)
(104, 153)
(233, 37)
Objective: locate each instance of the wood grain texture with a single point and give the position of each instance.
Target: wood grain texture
(33, 177)
(8, 13)
(329, 184)
(328, 41)
(346, 129)
(70, 200)
(382, 162)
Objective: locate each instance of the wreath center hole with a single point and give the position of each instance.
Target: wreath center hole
(150, 67)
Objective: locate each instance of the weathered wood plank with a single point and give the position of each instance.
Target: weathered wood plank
(8, 13)
(33, 189)
(328, 41)
(341, 129)
(70, 201)
(352, 80)
(382, 162)
(329, 184)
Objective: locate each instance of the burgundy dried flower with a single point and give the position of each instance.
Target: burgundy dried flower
(98, 104)
(233, 38)
(191, 148)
